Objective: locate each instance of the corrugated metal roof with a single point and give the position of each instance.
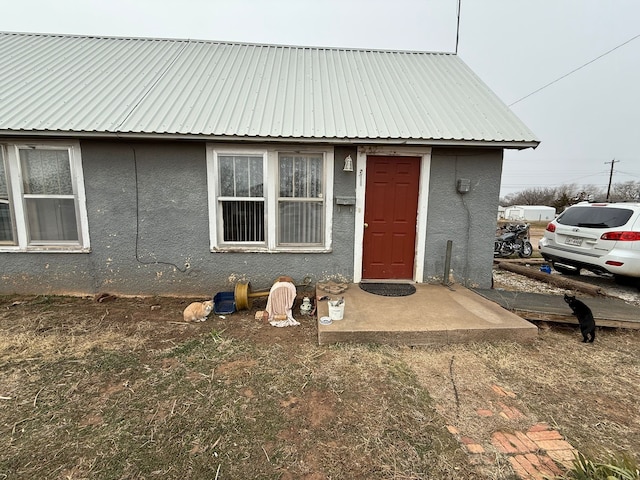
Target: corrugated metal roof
(106, 85)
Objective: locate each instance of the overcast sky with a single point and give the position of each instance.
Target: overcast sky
(590, 117)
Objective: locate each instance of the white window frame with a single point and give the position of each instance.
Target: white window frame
(11, 154)
(270, 157)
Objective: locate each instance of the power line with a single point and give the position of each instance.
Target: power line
(574, 70)
(630, 174)
(557, 175)
(546, 185)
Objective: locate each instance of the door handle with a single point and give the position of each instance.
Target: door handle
(366, 225)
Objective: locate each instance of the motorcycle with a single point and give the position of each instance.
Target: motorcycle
(513, 239)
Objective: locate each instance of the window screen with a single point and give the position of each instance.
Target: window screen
(241, 198)
(301, 199)
(48, 193)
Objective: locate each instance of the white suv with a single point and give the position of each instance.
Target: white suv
(601, 237)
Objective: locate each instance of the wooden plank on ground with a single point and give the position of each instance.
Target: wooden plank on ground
(555, 318)
(607, 311)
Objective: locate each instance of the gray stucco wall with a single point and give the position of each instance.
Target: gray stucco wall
(468, 220)
(149, 227)
(151, 236)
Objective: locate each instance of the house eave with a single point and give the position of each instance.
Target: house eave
(509, 144)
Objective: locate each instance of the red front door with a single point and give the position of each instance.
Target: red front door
(390, 213)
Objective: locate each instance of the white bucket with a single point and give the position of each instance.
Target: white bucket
(336, 312)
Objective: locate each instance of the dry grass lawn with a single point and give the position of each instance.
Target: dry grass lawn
(124, 390)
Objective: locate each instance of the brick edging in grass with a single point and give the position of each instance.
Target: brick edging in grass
(537, 453)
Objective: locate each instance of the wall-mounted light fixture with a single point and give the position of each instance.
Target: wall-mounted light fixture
(348, 164)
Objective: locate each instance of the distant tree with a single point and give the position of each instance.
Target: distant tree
(564, 195)
(507, 200)
(562, 202)
(531, 196)
(624, 192)
(592, 193)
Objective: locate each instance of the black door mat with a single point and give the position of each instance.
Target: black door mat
(389, 289)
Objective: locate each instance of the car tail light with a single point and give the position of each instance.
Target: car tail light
(551, 228)
(621, 236)
(614, 263)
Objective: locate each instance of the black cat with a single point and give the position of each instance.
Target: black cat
(585, 317)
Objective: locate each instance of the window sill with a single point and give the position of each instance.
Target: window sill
(7, 249)
(265, 250)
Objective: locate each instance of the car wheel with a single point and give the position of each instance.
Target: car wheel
(566, 271)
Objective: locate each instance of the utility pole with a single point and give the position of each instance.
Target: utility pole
(612, 162)
(458, 25)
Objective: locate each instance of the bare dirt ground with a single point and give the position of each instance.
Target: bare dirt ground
(125, 389)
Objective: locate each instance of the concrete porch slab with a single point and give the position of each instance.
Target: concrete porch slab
(434, 314)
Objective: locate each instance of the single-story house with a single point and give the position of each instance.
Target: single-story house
(145, 166)
(530, 213)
